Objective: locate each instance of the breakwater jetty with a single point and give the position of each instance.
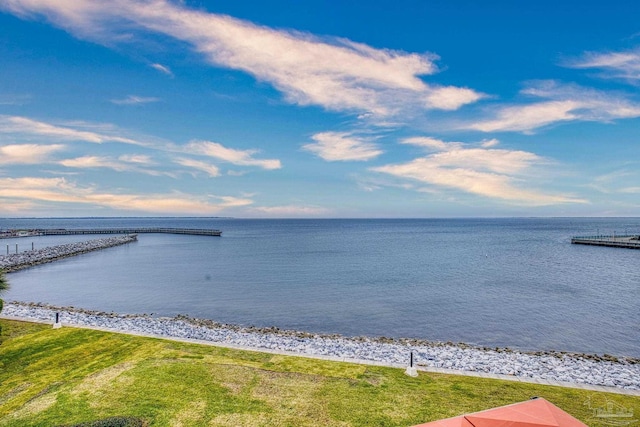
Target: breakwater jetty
(138, 230)
(28, 259)
(624, 241)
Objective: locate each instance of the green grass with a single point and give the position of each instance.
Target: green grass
(67, 376)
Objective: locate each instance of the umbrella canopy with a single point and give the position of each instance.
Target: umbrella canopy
(532, 413)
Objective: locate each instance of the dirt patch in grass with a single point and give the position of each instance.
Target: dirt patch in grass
(190, 415)
(101, 379)
(244, 420)
(13, 392)
(292, 396)
(36, 406)
(13, 328)
(316, 367)
(239, 380)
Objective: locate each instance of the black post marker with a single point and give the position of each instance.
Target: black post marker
(411, 370)
(57, 324)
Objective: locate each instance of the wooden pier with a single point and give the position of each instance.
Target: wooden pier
(75, 231)
(629, 242)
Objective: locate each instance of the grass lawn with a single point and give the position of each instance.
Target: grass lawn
(67, 376)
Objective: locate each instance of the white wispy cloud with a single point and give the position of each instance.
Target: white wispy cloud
(209, 169)
(357, 78)
(623, 65)
(529, 117)
(617, 181)
(14, 99)
(371, 183)
(60, 132)
(630, 190)
(236, 157)
(24, 128)
(135, 100)
(431, 143)
(27, 153)
(289, 211)
(140, 159)
(488, 172)
(12, 207)
(561, 103)
(450, 97)
(488, 143)
(34, 191)
(342, 146)
(91, 162)
(163, 69)
(106, 162)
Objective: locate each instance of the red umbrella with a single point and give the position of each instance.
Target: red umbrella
(532, 413)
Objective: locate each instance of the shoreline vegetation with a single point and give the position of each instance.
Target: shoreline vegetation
(562, 367)
(14, 262)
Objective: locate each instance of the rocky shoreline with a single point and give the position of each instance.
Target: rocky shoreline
(596, 370)
(19, 261)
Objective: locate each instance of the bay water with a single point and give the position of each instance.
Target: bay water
(503, 282)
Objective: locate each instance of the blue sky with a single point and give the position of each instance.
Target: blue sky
(319, 108)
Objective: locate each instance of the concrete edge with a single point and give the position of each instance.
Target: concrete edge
(582, 386)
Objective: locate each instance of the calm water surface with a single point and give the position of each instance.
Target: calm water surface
(493, 282)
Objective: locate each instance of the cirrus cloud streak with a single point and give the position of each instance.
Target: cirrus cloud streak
(236, 157)
(198, 165)
(135, 100)
(61, 132)
(561, 103)
(623, 65)
(122, 164)
(358, 78)
(27, 153)
(342, 146)
(487, 172)
(60, 191)
(291, 211)
(27, 129)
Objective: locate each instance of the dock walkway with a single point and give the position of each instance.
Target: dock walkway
(76, 231)
(629, 242)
